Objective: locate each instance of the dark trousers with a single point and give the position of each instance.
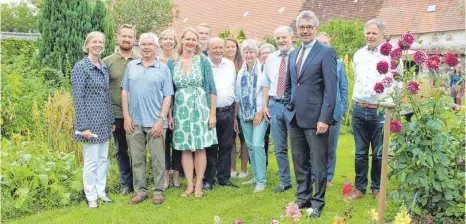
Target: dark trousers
(172, 162)
(266, 145)
(219, 156)
(309, 152)
(368, 131)
(122, 155)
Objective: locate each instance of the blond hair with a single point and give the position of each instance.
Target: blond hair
(126, 26)
(165, 33)
(189, 29)
(204, 25)
(89, 37)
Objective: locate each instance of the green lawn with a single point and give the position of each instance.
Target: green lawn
(226, 203)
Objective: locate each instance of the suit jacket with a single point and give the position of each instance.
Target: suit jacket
(342, 92)
(311, 97)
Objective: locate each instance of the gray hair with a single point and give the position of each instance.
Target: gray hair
(250, 45)
(282, 27)
(265, 46)
(377, 22)
(308, 15)
(151, 36)
(323, 34)
(215, 39)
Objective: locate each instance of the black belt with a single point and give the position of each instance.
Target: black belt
(278, 100)
(222, 109)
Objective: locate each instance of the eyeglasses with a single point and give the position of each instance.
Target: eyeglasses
(302, 28)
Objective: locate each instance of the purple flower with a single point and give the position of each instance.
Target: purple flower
(413, 87)
(378, 87)
(396, 76)
(387, 81)
(395, 126)
(385, 49)
(450, 59)
(419, 57)
(396, 54)
(382, 67)
(433, 62)
(406, 40)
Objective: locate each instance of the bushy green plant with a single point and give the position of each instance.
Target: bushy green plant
(428, 149)
(36, 177)
(347, 35)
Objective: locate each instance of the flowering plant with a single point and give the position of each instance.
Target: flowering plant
(292, 212)
(427, 138)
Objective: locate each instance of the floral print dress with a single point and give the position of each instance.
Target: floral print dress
(191, 110)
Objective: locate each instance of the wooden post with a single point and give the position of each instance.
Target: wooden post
(383, 176)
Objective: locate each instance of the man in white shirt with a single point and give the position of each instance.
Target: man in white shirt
(274, 88)
(367, 124)
(219, 156)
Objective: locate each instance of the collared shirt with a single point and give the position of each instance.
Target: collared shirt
(366, 76)
(271, 70)
(117, 65)
(146, 88)
(225, 79)
(306, 52)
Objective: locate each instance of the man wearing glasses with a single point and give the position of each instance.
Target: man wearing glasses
(310, 96)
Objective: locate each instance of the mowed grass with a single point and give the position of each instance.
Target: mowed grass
(229, 204)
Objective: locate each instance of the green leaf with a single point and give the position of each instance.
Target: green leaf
(437, 185)
(430, 161)
(22, 194)
(77, 185)
(437, 197)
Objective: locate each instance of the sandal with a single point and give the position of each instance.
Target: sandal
(189, 191)
(198, 194)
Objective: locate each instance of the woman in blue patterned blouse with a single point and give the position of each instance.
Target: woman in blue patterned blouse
(456, 83)
(94, 118)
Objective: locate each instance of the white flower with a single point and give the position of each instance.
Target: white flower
(216, 219)
(309, 211)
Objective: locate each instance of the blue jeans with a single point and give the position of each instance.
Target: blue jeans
(254, 138)
(368, 131)
(334, 132)
(280, 141)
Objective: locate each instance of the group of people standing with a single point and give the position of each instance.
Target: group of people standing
(188, 104)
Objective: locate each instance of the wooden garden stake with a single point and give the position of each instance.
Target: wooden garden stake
(383, 176)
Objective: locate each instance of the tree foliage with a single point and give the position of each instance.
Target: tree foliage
(63, 25)
(101, 23)
(19, 17)
(145, 15)
(347, 36)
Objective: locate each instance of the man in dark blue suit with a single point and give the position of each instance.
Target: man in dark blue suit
(310, 95)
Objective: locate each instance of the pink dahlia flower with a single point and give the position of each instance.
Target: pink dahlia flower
(385, 49)
(413, 87)
(450, 59)
(433, 62)
(378, 87)
(395, 126)
(396, 54)
(419, 57)
(382, 67)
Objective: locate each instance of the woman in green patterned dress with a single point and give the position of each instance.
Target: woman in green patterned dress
(194, 109)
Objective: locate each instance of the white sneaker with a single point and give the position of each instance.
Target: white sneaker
(242, 175)
(251, 181)
(106, 199)
(259, 188)
(233, 174)
(92, 204)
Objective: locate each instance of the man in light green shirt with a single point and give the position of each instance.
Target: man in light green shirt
(116, 64)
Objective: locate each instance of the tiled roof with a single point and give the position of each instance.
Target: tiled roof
(344, 9)
(256, 18)
(412, 15)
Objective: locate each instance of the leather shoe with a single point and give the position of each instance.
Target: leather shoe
(228, 184)
(125, 191)
(157, 199)
(208, 186)
(281, 188)
(137, 199)
(315, 213)
(376, 194)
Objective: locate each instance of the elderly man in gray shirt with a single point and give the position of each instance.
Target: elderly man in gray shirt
(146, 96)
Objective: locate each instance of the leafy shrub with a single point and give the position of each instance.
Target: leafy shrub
(36, 177)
